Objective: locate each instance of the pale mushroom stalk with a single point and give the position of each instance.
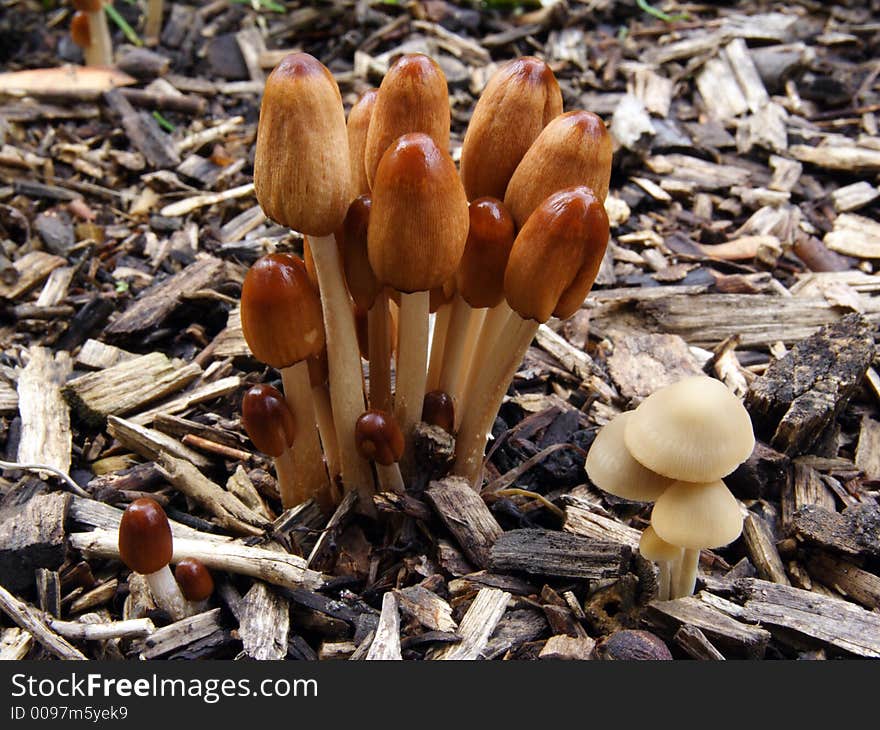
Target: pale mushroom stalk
(493, 322)
(100, 50)
(487, 393)
(153, 25)
(461, 338)
(326, 429)
(309, 471)
(412, 360)
(379, 326)
(285, 474)
(167, 593)
(687, 580)
(438, 343)
(390, 478)
(344, 365)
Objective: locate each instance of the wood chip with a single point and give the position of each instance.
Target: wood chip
(803, 392)
(559, 554)
(264, 623)
(127, 386)
(740, 639)
(45, 419)
(386, 640)
(833, 622)
(466, 516)
(476, 626)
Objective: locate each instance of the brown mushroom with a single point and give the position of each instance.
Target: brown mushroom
(302, 177)
(572, 150)
(519, 100)
(380, 440)
(438, 409)
(567, 234)
(358, 126)
(417, 232)
(281, 322)
(146, 547)
(270, 423)
(479, 309)
(370, 297)
(413, 97)
(195, 581)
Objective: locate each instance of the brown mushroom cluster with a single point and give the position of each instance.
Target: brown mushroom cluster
(146, 546)
(673, 450)
(438, 278)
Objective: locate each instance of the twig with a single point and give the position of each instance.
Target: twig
(74, 487)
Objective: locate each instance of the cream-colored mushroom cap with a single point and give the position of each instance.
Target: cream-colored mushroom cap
(697, 516)
(694, 430)
(612, 469)
(652, 547)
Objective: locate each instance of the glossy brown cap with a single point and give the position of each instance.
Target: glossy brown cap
(419, 220)
(518, 102)
(267, 419)
(358, 125)
(302, 175)
(439, 410)
(572, 150)
(480, 275)
(413, 97)
(556, 254)
(281, 315)
(379, 438)
(145, 542)
(79, 30)
(194, 579)
(88, 6)
(362, 282)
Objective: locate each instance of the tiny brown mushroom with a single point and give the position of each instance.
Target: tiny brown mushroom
(194, 579)
(282, 323)
(380, 440)
(146, 547)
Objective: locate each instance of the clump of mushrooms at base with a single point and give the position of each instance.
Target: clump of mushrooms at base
(448, 271)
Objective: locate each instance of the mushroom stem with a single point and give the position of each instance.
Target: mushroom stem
(493, 323)
(327, 429)
(412, 357)
(688, 578)
(100, 50)
(153, 25)
(285, 475)
(310, 476)
(478, 316)
(461, 339)
(390, 478)
(378, 325)
(438, 345)
(344, 364)
(489, 385)
(665, 578)
(167, 593)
